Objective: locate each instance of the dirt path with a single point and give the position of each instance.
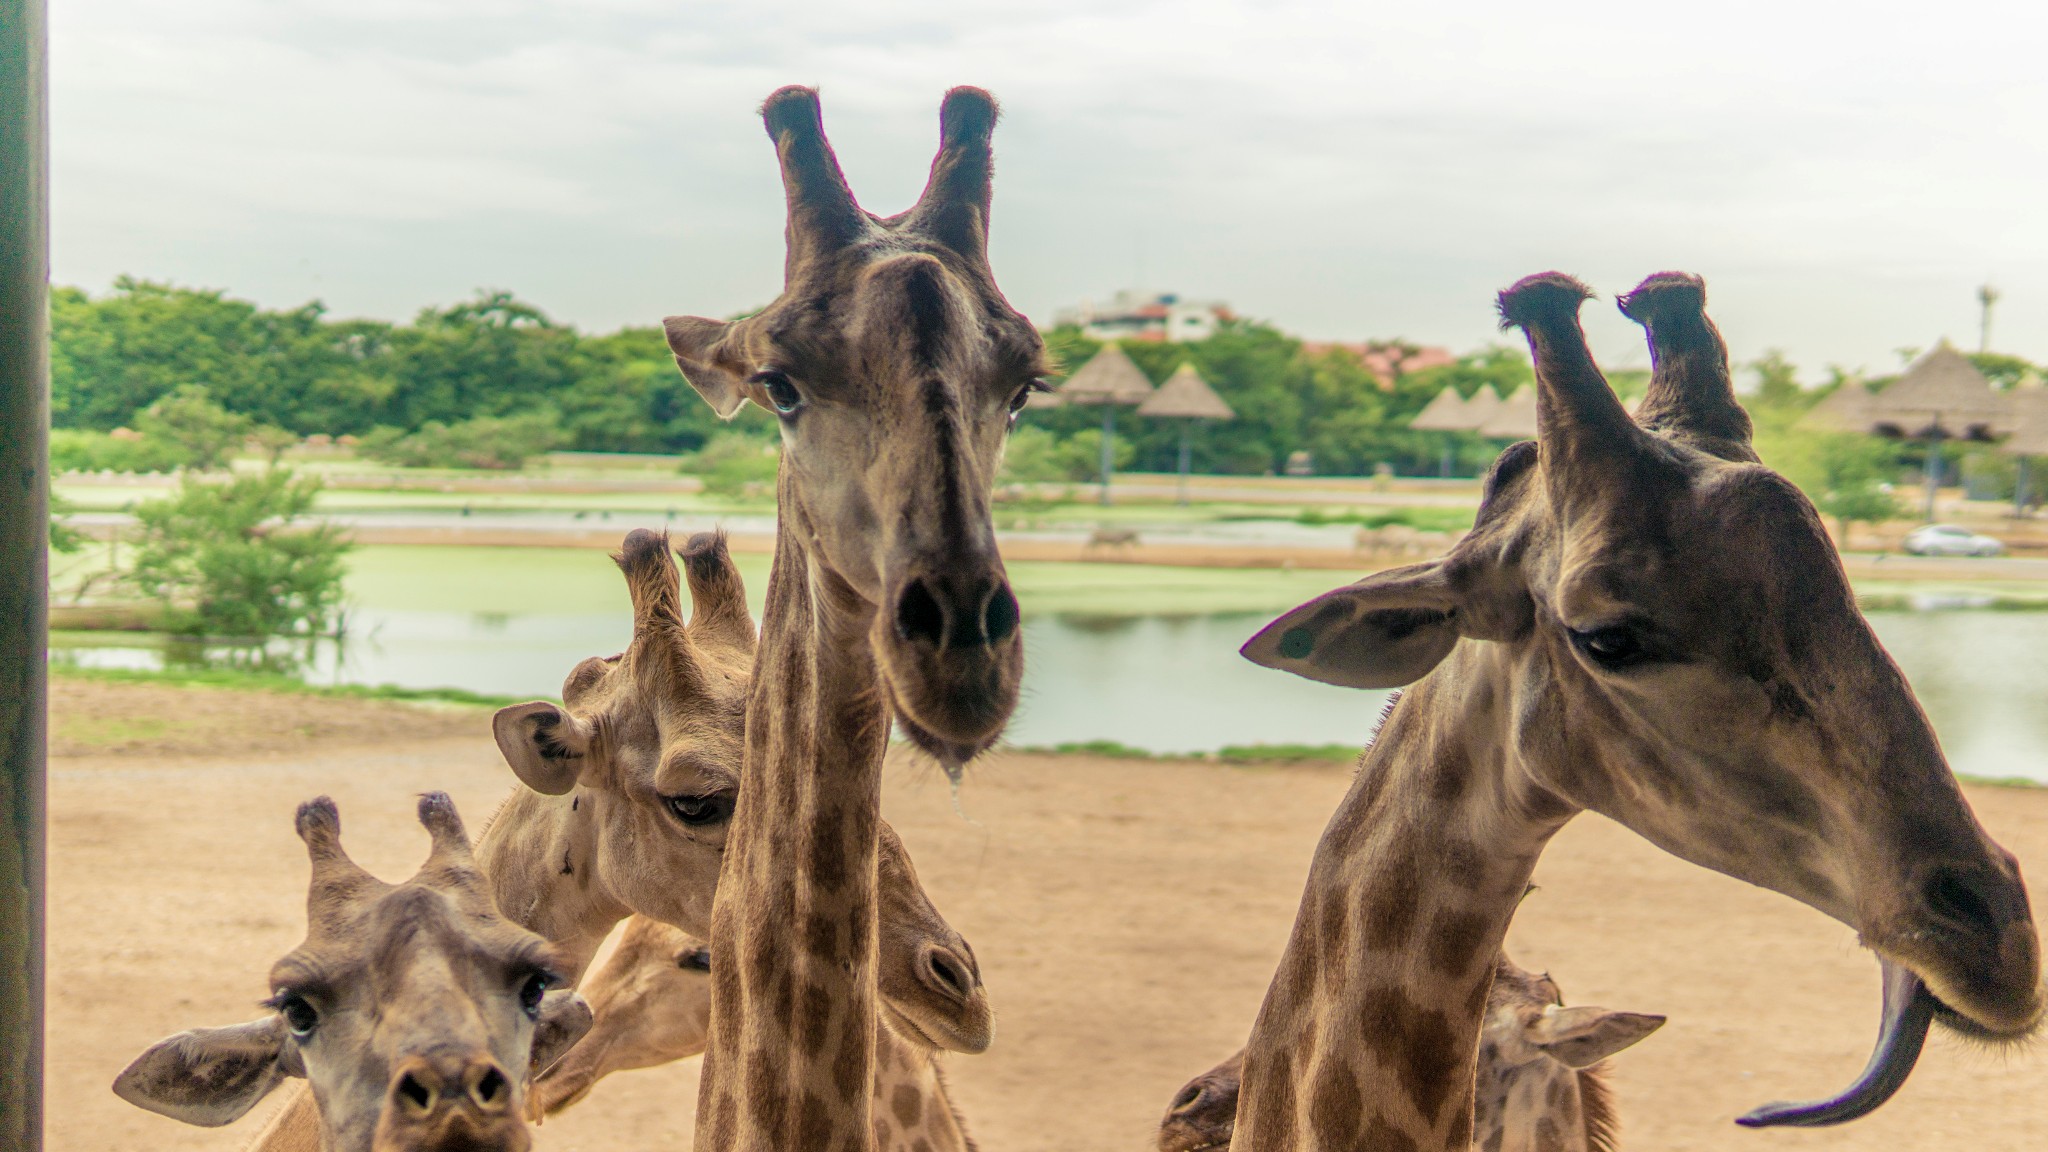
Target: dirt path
(1127, 916)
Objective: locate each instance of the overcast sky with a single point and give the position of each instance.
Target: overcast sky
(1844, 175)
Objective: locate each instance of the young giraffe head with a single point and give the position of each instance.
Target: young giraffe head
(895, 367)
(650, 739)
(415, 1011)
(651, 998)
(1539, 1076)
(1673, 641)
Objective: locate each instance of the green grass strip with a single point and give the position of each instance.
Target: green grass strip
(248, 681)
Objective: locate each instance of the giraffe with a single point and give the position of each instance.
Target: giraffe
(628, 787)
(1647, 622)
(895, 368)
(414, 1010)
(652, 1004)
(1540, 1085)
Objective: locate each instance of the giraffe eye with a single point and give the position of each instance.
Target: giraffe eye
(530, 992)
(782, 391)
(700, 811)
(299, 1014)
(1614, 647)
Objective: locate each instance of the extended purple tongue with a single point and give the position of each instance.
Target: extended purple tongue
(1908, 1009)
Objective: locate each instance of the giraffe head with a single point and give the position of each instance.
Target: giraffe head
(1538, 1076)
(650, 739)
(895, 367)
(652, 997)
(414, 1010)
(1665, 635)
(1539, 1082)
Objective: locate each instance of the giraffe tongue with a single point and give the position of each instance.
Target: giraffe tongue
(1908, 1009)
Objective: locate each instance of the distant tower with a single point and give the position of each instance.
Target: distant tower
(1986, 296)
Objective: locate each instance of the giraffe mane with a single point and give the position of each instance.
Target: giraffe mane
(1596, 1106)
(959, 1121)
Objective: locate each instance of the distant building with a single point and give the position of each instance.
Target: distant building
(1155, 317)
(1388, 359)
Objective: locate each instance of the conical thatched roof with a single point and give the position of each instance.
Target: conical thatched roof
(1186, 394)
(1481, 407)
(1515, 419)
(2029, 421)
(1108, 377)
(1942, 389)
(1849, 408)
(1044, 400)
(1449, 412)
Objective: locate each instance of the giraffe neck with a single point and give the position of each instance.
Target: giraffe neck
(1532, 1107)
(1369, 1032)
(913, 1108)
(540, 855)
(789, 1060)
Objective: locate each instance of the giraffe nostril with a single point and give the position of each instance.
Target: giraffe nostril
(999, 617)
(949, 973)
(919, 616)
(1956, 900)
(1186, 1099)
(414, 1095)
(491, 1089)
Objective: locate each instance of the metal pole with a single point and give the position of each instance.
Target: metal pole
(24, 564)
(1933, 469)
(1186, 429)
(2019, 491)
(1108, 447)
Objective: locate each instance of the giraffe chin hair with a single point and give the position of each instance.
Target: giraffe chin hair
(1909, 1009)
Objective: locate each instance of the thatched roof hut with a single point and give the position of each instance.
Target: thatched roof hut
(1449, 412)
(1941, 391)
(1515, 419)
(2029, 421)
(1108, 377)
(1186, 395)
(1849, 408)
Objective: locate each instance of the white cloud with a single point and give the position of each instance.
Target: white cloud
(1844, 177)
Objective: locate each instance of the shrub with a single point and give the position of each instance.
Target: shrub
(202, 433)
(495, 443)
(1036, 456)
(75, 450)
(734, 464)
(235, 559)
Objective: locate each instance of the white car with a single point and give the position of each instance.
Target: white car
(1950, 540)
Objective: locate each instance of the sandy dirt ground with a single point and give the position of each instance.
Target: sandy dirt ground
(1127, 916)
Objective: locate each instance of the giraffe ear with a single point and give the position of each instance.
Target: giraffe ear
(695, 342)
(1385, 631)
(211, 1076)
(564, 1018)
(1582, 1037)
(544, 745)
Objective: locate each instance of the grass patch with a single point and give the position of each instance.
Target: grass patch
(241, 681)
(2001, 781)
(1422, 518)
(1271, 753)
(1115, 750)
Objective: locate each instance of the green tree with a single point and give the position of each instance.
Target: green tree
(200, 433)
(2002, 370)
(493, 443)
(236, 559)
(735, 464)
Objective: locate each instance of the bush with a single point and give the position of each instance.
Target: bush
(734, 464)
(234, 559)
(74, 450)
(201, 433)
(1036, 456)
(495, 443)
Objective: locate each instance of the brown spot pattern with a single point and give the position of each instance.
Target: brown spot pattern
(1417, 1044)
(1334, 1105)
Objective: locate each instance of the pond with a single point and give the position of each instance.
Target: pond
(1146, 657)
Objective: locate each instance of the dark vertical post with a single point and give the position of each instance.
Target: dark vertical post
(1187, 428)
(1108, 445)
(1933, 468)
(2019, 491)
(24, 565)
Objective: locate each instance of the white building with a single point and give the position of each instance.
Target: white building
(1148, 316)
